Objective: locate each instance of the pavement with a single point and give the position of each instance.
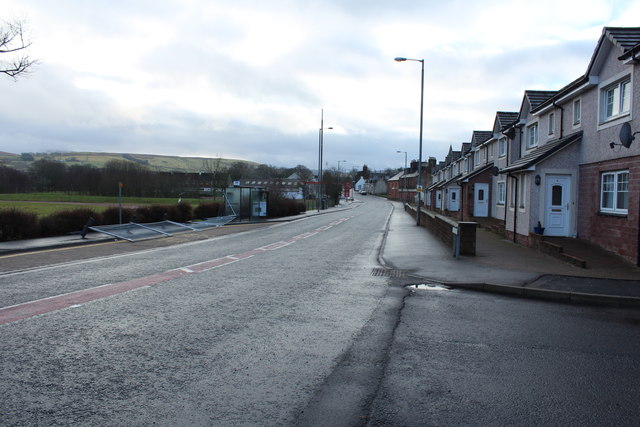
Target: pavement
(504, 267)
(499, 265)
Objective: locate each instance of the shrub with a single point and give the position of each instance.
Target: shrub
(281, 206)
(155, 213)
(16, 224)
(184, 212)
(112, 215)
(207, 210)
(67, 221)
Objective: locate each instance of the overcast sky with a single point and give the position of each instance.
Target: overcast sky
(247, 79)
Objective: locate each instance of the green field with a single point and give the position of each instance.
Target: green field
(43, 204)
(44, 209)
(79, 198)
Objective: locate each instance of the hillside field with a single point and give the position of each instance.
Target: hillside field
(155, 162)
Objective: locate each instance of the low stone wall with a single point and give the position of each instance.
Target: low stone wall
(443, 227)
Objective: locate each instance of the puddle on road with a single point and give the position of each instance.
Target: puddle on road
(428, 286)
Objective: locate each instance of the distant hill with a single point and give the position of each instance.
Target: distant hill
(154, 162)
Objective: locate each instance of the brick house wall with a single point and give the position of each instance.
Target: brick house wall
(616, 233)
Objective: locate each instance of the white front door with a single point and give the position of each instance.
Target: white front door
(454, 199)
(557, 205)
(439, 199)
(481, 200)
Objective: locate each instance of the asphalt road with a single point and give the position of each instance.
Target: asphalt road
(245, 335)
(287, 325)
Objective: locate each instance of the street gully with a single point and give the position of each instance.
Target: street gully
(75, 299)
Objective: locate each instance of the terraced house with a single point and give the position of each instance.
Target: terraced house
(568, 161)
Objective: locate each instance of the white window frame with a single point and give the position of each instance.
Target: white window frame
(476, 157)
(532, 136)
(512, 193)
(502, 147)
(522, 191)
(552, 123)
(502, 193)
(615, 100)
(616, 187)
(577, 112)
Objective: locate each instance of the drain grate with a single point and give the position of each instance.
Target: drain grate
(388, 272)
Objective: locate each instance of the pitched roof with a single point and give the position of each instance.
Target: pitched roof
(452, 156)
(560, 93)
(504, 119)
(537, 97)
(396, 177)
(625, 38)
(480, 136)
(476, 172)
(541, 153)
(628, 39)
(441, 184)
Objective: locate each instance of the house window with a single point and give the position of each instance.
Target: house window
(552, 123)
(502, 147)
(532, 136)
(502, 193)
(522, 191)
(614, 192)
(577, 112)
(476, 157)
(512, 194)
(616, 100)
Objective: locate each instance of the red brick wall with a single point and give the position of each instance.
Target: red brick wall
(468, 195)
(617, 234)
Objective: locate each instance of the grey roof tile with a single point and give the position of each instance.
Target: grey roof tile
(625, 38)
(505, 119)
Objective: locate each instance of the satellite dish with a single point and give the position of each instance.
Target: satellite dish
(626, 137)
(495, 171)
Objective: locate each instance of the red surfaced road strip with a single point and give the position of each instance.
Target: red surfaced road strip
(59, 302)
(46, 305)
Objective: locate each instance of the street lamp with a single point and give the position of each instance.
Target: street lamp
(404, 178)
(419, 186)
(320, 159)
(340, 161)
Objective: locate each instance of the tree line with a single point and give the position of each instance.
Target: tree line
(138, 180)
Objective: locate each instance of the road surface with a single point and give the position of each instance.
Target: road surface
(289, 325)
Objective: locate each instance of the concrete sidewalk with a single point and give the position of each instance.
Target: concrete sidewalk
(505, 267)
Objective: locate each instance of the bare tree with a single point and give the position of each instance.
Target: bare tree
(217, 174)
(14, 45)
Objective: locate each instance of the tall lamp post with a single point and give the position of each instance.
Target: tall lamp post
(404, 178)
(320, 192)
(419, 186)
